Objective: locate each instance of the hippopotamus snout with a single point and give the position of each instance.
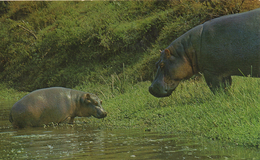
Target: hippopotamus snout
(160, 91)
(101, 113)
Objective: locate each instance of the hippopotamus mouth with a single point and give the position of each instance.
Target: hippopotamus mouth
(100, 115)
(162, 91)
(164, 84)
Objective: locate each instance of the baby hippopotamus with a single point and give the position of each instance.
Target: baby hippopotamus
(55, 104)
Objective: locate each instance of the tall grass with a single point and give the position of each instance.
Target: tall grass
(230, 116)
(48, 43)
(10, 94)
(86, 45)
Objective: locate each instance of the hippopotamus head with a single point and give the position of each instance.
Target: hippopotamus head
(91, 106)
(171, 69)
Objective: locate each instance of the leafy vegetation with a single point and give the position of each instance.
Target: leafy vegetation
(231, 117)
(48, 44)
(109, 48)
(11, 94)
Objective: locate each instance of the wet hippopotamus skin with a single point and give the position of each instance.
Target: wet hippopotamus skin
(56, 105)
(219, 48)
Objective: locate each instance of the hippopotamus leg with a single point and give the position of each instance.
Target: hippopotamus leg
(217, 81)
(227, 81)
(71, 120)
(68, 120)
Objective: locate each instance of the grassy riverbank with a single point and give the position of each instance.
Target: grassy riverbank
(229, 117)
(46, 43)
(109, 48)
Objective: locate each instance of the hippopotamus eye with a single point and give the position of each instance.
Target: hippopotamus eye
(162, 65)
(95, 103)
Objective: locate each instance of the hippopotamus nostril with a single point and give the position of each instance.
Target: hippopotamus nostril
(101, 115)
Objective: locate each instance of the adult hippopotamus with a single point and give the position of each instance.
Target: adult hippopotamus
(55, 104)
(219, 48)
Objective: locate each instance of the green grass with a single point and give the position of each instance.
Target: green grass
(231, 117)
(46, 44)
(109, 48)
(7, 93)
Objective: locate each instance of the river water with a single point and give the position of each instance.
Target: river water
(88, 142)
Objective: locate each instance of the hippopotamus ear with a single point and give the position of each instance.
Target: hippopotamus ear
(167, 53)
(86, 98)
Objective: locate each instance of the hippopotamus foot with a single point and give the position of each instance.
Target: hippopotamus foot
(216, 82)
(71, 120)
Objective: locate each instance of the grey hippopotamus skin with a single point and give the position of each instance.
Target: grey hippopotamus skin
(56, 105)
(219, 48)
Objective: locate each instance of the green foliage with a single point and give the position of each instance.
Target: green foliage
(108, 47)
(67, 43)
(230, 116)
(9, 93)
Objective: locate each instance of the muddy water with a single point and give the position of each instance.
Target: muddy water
(85, 142)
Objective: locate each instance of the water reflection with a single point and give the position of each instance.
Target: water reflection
(85, 142)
